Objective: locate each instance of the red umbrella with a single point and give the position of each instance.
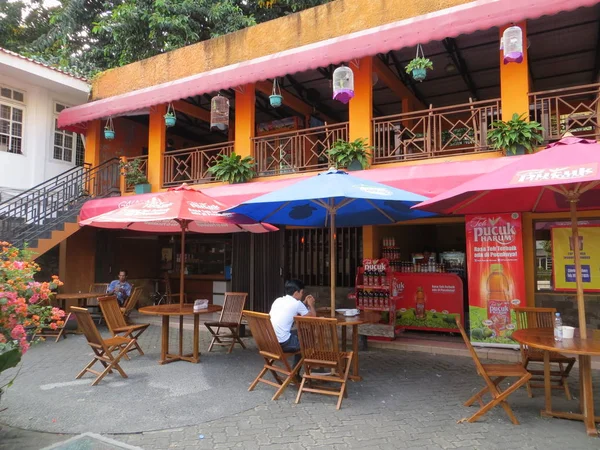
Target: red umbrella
(181, 209)
(563, 177)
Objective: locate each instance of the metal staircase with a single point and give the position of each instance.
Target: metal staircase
(34, 214)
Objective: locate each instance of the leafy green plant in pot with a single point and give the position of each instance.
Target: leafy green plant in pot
(135, 176)
(418, 66)
(350, 155)
(233, 168)
(515, 137)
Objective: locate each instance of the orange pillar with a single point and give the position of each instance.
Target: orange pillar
(361, 106)
(245, 112)
(514, 81)
(156, 146)
(93, 139)
(529, 258)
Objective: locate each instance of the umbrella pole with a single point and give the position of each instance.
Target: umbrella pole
(182, 266)
(578, 273)
(332, 260)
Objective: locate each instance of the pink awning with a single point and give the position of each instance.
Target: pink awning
(463, 19)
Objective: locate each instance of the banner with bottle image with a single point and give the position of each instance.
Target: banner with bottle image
(496, 276)
(564, 260)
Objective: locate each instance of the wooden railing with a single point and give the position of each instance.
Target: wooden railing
(302, 150)
(575, 110)
(143, 167)
(434, 132)
(191, 165)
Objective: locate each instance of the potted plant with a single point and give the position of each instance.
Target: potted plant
(515, 137)
(109, 129)
(275, 99)
(24, 306)
(233, 168)
(419, 65)
(135, 176)
(170, 118)
(350, 155)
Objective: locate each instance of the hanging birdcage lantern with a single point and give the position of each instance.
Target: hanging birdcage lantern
(512, 44)
(219, 113)
(343, 84)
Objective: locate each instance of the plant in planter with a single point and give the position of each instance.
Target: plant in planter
(515, 137)
(135, 176)
(170, 117)
(275, 99)
(109, 129)
(350, 155)
(233, 168)
(24, 306)
(418, 66)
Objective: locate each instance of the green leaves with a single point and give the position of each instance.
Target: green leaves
(9, 359)
(342, 153)
(419, 63)
(508, 136)
(133, 172)
(233, 168)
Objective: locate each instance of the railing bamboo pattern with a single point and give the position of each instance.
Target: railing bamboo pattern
(575, 110)
(190, 165)
(434, 132)
(143, 167)
(302, 150)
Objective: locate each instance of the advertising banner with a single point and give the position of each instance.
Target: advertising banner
(428, 301)
(496, 276)
(564, 260)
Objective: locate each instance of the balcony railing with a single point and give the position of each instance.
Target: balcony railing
(575, 110)
(143, 167)
(302, 150)
(434, 132)
(191, 165)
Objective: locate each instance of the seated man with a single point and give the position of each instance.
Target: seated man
(120, 288)
(283, 311)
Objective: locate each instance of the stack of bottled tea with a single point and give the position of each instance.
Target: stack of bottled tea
(375, 278)
(368, 299)
(430, 267)
(390, 251)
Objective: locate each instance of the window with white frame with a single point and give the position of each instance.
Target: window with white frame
(67, 146)
(11, 121)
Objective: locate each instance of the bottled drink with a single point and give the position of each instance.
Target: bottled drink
(420, 303)
(367, 278)
(558, 334)
(383, 278)
(498, 301)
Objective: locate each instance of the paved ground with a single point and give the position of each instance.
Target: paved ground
(407, 400)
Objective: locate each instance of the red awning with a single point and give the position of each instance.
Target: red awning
(463, 19)
(425, 179)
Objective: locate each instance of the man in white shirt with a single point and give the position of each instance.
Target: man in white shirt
(283, 311)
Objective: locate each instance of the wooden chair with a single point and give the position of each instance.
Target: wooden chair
(493, 374)
(268, 347)
(231, 318)
(169, 296)
(131, 303)
(320, 348)
(49, 332)
(543, 318)
(103, 348)
(116, 322)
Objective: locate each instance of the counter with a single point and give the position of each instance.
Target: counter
(210, 287)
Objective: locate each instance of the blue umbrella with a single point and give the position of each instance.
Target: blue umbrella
(331, 199)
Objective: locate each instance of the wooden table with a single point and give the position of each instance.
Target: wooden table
(81, 298)
(543, 339)
(166, 311)
(353, 321)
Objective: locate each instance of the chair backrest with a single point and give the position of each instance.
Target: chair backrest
(472, 351)
(318, 339)
(167, 284)
(535, 317)
(98, 288)
(233, 305)
(112, 312)
(132, 300)
(85, 322)
(264, 334)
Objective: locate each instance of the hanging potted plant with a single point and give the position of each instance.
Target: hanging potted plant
(419, 65)
(109, 129)
(170, 117)
(135, 176)
(350, 155)
(515, 137)
(275, 99)
(233, 168)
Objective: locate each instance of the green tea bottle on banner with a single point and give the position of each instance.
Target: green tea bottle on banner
(498, 299)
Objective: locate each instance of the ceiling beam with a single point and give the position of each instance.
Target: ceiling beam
(596, 71)
(192, 110)
(454, 52)
(390, 79)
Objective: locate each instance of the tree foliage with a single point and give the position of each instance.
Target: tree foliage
(87, 36)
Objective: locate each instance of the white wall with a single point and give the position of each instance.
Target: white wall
(36, 164)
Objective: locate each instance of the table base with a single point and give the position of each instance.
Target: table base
(354, 376)
(173, 358)
(166, 357)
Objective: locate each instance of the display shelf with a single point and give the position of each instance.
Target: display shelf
(375, 288)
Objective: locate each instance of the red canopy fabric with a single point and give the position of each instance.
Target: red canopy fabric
(541, 182)
(165, 212)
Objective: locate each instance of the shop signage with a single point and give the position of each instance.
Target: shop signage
(496, 276)
(564, 260)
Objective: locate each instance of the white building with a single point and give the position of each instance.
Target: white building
(32, 149)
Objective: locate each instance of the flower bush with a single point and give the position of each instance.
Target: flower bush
(24, 304)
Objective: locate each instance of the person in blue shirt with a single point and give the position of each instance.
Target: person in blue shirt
(120, 288)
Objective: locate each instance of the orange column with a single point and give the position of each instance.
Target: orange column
(245, 112)
(93, 139)
(156, 146)
(361, 106)
(529, 258)
(514, 81)
(371, 245)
